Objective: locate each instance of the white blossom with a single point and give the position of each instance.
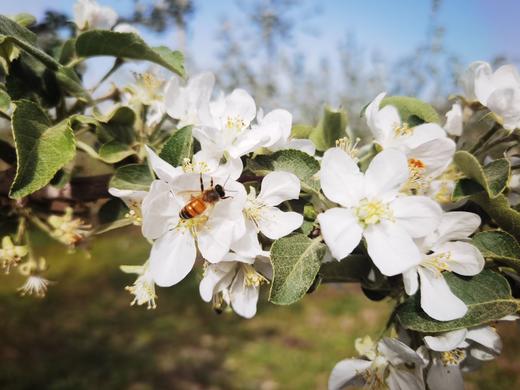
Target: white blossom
(89, 15)
(499, 91)
(371, 207)
(176, 239)
(389, 362)
(454, 120)
(445, 250)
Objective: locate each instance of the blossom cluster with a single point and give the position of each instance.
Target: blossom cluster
(231, 189)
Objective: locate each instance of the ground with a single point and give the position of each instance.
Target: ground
(84, 334)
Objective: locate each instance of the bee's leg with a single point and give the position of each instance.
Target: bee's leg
(201, 184)
(211, 182)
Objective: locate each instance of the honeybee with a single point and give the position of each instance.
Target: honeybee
(198, 204)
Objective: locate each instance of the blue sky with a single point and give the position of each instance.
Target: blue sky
(475, 29)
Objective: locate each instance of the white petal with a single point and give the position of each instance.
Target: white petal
(240, 104)
(246, 142)
(215, 275)
(172, 257)
(210, 139)
(403, 379)
(278, 187)
(483, 83)
(446, 341)
(505, 103)
(454, 120)
(160, 210)
(247, 243)
(418, 215)
(468, 79)
(386, 174)
(340, 178)
(214, 239)
(397, 352)
(277, 125)
(340, 230)
(424, 133)
(411, 281)
(437, 300)
(243, 298)
(303, 145)
(436, 155)
(487, 337)
(382, 122)
(454, 225)
(162, 169)
(275, 223)
(441, 377)
(130, 197)
(465, 259)
(348, 372)
(391, 248)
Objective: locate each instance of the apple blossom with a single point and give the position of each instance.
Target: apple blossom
(371, 207)
(89, 15)
(176, 239)
(454, 123)
(389, 362)
(236, 281)
(261, 215)
(143, 288)
(499, 91)
(445, 250)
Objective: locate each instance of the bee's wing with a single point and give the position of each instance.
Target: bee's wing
(189, 194)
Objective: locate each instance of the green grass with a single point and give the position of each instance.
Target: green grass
(85, 335)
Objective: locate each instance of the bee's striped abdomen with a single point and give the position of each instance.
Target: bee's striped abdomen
(194, 208)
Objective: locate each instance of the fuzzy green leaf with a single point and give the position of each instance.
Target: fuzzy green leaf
(178, 147)
(114, 151)
(294, 161)
(499, 246)
(501, 212)
(127, 45)
(487, 295)
(132, 177)
(332, 127)
(41, 149)
(411, 110)
(296, 261)
(492, 177)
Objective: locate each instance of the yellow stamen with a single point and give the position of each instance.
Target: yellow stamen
(371, 212)
(454, 357)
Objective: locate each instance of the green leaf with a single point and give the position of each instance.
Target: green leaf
(294, 161)
(332, 127)
(5, 101)
(493, 177)
(352, 269)
(465, 188)
(41, 148)
(114, 151)
(127, 45)
(24, 19)
(501, 212)
(487, 295)
(499, 246)
(301, 131)
(412, 111)
(132, 177)
(11, 28)
(296, 261)
(118, 125)
(178, 147)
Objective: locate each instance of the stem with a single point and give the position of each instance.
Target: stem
(117, 64)
(36, 221)
(485, 138)
(20, 231)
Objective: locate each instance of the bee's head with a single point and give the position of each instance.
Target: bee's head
(220, 190)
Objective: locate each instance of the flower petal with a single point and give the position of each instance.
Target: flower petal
(278, 187)
(240, 104)
(340, 178)
(437, 300)
(454, 225)
(411, 281)
(275, 223)
(348, 372)
(162, 169)
(160, 210)
(243, 297)
(340, 230)
(386, 174)
(487, 337)
(441, 377)
(214, 239)
(454, 120)
(418, 215)
(277, 126)
(172, 257)
(465, 259)
(215, 276)
(436, 155)
(446, 341)
(391, 248)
